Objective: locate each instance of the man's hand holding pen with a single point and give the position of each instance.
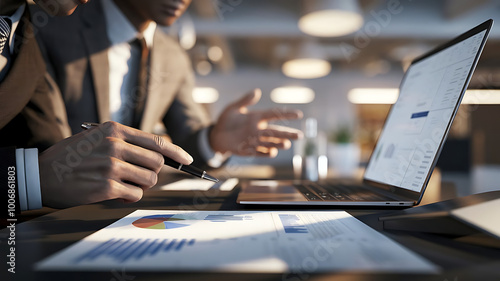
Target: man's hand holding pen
(107, 162)
(113, 161)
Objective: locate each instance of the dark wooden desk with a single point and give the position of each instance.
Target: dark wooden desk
(45, 235)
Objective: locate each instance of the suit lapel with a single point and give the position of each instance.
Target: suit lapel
(97, 43)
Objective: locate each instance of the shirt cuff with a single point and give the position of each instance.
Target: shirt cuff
(21, 180)
(30, 195)
(212, 158)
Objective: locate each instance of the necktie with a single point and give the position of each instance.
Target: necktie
(140, 92)
(5, 60)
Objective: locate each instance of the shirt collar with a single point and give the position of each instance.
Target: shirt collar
(119, 28)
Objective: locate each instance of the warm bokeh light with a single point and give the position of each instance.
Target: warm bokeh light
(306, 68)
(373, 95)
(296, 95)
(390, 95)
(215, 53)
(481, 97)
(203, 68)
(330, 23)
(205, 95)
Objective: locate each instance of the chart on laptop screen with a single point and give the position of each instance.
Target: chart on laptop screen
(417, 123)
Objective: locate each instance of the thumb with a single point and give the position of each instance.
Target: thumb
(249, 99)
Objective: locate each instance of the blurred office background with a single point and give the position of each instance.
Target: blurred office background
(341, 62)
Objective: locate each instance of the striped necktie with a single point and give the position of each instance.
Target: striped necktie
(4, 47)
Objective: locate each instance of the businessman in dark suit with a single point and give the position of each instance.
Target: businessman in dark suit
(107, 162)
(97, 76)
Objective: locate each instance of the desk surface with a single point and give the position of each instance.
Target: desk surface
(45, 235)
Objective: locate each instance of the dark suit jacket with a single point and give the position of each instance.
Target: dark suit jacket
(76, 51)
(30, 114)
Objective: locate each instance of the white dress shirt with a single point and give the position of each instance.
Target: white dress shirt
(124, 60)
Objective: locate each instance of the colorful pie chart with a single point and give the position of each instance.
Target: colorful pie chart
(162, 222)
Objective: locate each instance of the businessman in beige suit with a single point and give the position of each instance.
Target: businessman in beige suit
(98, 77)
(108, 162)
(24, 91)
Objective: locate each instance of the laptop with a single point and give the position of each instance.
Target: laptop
(411, 140)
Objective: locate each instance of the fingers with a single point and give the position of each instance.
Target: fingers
(282, 132)
(275, 142)
(263, 146)
(141, 177)
(249, 99)
(279, 114)
(148, 141)
(148, 159)
(121, 180)
(125, 191)
(266, 152)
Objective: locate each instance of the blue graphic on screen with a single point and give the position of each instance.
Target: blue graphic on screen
(419, 114)
(122, 250)
(292, 224)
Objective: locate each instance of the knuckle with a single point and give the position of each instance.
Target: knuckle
(111, 128)
(153, 179)
(112, 165)
(159, 162)
(159, 142)
(113, 147)
(108, 189)
(136, 197)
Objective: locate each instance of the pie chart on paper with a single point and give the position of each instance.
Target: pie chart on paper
(163, 221)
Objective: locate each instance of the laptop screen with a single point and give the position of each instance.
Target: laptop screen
(418, 122)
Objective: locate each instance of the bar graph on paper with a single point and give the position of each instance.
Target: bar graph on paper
(235, 241)
(134, 249)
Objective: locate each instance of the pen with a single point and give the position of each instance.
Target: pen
(169, 162)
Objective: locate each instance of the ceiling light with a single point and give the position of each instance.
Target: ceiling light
(306, 68)
(390, 95)
(309, 63)
(373, 96)
(330, 18)
(481, 97)
(205, 95)
(294, 95)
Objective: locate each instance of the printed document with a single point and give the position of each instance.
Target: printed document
(238, 241)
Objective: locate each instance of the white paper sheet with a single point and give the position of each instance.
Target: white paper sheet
(201, 185)
(238, 241)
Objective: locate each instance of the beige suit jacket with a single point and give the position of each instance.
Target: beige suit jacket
(31, 115)
(76, 52)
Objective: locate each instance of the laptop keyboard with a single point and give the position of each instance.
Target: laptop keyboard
(322, 192)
